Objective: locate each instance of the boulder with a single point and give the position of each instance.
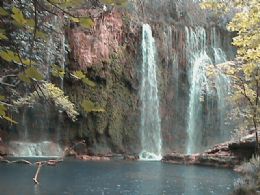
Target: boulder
(228, 154)
(3, 150)
(131, 157)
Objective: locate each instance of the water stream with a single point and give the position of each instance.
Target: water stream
(207, 108)
(150, 118)
(39, 149)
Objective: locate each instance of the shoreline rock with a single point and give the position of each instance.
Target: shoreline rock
(92, 158)
(3, 150)
(228, 155)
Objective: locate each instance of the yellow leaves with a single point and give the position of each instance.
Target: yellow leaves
(3, 115)
(27, 62)
(88, 82)
(42, 35)
(246, 23)
(115, 2)
(3, 36)
(2, 97)
(86, 22)
(73, 19)
(107, 1)
(67, 3)
(23, 77)
(3, 12)
(9, 119)
(2, 109)
(53, 94)
(9, 56)
(20, 20)
(33, 73)
(249, 69)
(30, 22)
(81, 76)
(60, 100)
(29, 74)
(18, 16)
(89, 106)
(57, 71)
(212, 5)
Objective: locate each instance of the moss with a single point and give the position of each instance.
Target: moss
(116, 96)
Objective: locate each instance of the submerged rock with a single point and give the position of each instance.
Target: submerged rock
(3, 148)
(131, 157)
(92, 158)
(3, 151)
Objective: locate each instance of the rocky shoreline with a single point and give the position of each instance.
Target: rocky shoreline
(228, 154)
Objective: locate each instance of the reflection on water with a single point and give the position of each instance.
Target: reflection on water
(115, 177)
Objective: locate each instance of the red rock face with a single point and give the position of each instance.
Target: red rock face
(99, 42)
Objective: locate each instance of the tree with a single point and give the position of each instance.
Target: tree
(245, 71)
(25, 30)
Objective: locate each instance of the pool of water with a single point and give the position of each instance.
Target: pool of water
(115, 177)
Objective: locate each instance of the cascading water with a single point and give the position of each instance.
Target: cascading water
(39, 138)
(202, 106)
(150, 118)
(30, 149)
(222, 83)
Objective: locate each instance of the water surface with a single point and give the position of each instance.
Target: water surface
(115, 177)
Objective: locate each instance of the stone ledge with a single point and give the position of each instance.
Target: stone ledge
(228, 154)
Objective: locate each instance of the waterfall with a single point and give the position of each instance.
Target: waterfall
(40, 149)
(150, 118)
(222, 83)
(38, 136)
(24, 126)
(62, 61)
(207, 108)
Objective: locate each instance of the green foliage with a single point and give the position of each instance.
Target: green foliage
(30, 74)
(49, 92)
(9, 56)
(3, 36)
(31, 24)
(68, 3)
(18, 16)
(115, 2)
(246, 71)
(214, 5)
(81, 76)
(3, 110)
(57, 71)
(83, 21)
(3, 12)
(89, 106)
(86, 22)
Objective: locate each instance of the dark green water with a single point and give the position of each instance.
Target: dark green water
(115, 177)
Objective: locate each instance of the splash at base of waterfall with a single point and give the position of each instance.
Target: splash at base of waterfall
(150, 127)
(40, 149)
(148, 156)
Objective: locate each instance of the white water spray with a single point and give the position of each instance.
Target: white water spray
(40, 149)
(200, 110)
(150, 117)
